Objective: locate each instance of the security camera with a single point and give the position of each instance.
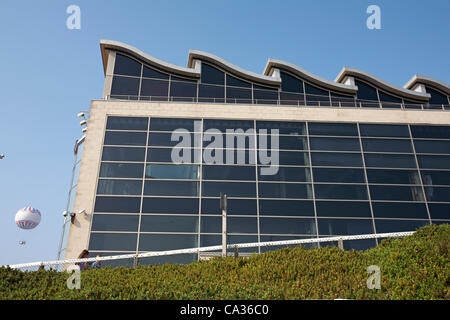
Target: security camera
(84, 130)
(72, 214)
(80, 115)
(65, 213)
(83, 122)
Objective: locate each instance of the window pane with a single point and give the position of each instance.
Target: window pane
(244, 140)
(238, 95)
(434, 162)
(437, 98)
(212, 75)
(284, 142)
(212, 92)
(172, 124)
(184, 91)
(155, 90)
(166, 139)
(285, 190)
(389, 101)
(242, 225)
(234, 82)
(171, 171)
(393, 176)
(154, 223)
(286, 208)
(384, 226)
(344, 227)
(123, 154)
(396, 193)
(288, 174)
(336, 159)
(338, 175)
(228, 172)
(290, 158)
(438, 194)
(290, 83)
(384, 130)
(365, 91)
(432, 146)
(115, 222)
(435, 177)
(231, 189)
(315, 94)
(127, 123)
(287, 226)
(163, 242)
(117, 204)
(223, 125)
(127, 66)
(399, 210)
(284, 127)
(119, 187)
(335, 144)
(170, 205)
(439, 210)
(125, 86)
(121, 170)
(343, 209)
(390, 160)
(113, 241)
(152, 73)
(339, 191)
(125, 138)
(170, 188)
(437, 132)
(211, 224)
(332, 129)
(287, 98)
(234, 206)
(383, 145)
(265, 95)
(180, 155)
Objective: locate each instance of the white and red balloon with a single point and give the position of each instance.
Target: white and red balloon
(28, 218)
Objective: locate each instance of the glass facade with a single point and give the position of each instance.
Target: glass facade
(133, 80)
(333, 179)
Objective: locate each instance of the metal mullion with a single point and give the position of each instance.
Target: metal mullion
(367, 182)
(420, 174)
(312, 178)
(257, 183)
(200, 179)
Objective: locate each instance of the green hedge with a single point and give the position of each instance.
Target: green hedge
(414, 267)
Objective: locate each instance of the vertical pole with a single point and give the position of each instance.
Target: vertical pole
(223, 207)
(341, 244)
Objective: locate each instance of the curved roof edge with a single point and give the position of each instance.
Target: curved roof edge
(302, 73)
(345, 72)
(120, 46)
(249, 75)
(418, 79)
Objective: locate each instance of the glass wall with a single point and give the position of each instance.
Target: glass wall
(333, 179)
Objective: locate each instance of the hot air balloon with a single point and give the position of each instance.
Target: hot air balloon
(28, 218)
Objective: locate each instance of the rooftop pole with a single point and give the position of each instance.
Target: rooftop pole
(223, 207)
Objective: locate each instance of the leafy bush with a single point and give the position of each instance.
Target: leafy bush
(413, 267)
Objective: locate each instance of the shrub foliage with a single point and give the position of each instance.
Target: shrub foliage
(413, 267)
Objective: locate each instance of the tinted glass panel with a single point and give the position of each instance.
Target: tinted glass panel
(119, 187)
(265, 95)
(438, 194)
(365, 91)
(154, 223)
(228, 173)
(180, 155)
(171, 124)
(168, 140)
(170, 188)
(291, 128)
(127, 123)
(232, 81)
(223, 125)
(231, 189)
(316, 94)
(383, 145)
(124, 86)
(125, 138)
(335, 144)
(393, 176)
(117, 204)
(169, 171)
(243, 140)
(389, 101)
(434, 162)
(396, 193)
(435, 177)
(273, 141)
(115, 222)
(127, 66)
(399, 210)
(290, 83)
(211, 91)
(398, 225)
(185, 91)
(211, 224)
(287, 174)
(288, 226)
(170, 205)
(162, 242)
(384, 130)
(439, 210)
(238, 95)
(289, 158)
(121, 170)
(156, 89)
(432, 146)
(338, 227)
(285, 190)
(437, 98)
(234, 206)
(113, 241)
(123, 154)
(390, 160)
(212, 75)
(332, 129)
(336, 191)
(343, 209)
(336, 159)
(338, 175)
(286, 208)
(242, 225)
(437, 132)
(152, 73)
(287, 98)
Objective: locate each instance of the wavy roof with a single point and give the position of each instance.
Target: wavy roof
(271, 77)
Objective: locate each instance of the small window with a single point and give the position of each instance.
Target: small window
(290, 83)
(212, 75)
(127, 66)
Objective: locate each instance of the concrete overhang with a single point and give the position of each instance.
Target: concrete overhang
(418, 79)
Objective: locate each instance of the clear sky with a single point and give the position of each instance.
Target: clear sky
(49, 73)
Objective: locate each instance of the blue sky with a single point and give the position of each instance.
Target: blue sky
(49, 73)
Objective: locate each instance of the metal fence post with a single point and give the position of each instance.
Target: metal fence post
(223, 207)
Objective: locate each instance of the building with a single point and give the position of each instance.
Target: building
(356, 155)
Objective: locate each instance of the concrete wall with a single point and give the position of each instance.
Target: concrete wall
(90, 164)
